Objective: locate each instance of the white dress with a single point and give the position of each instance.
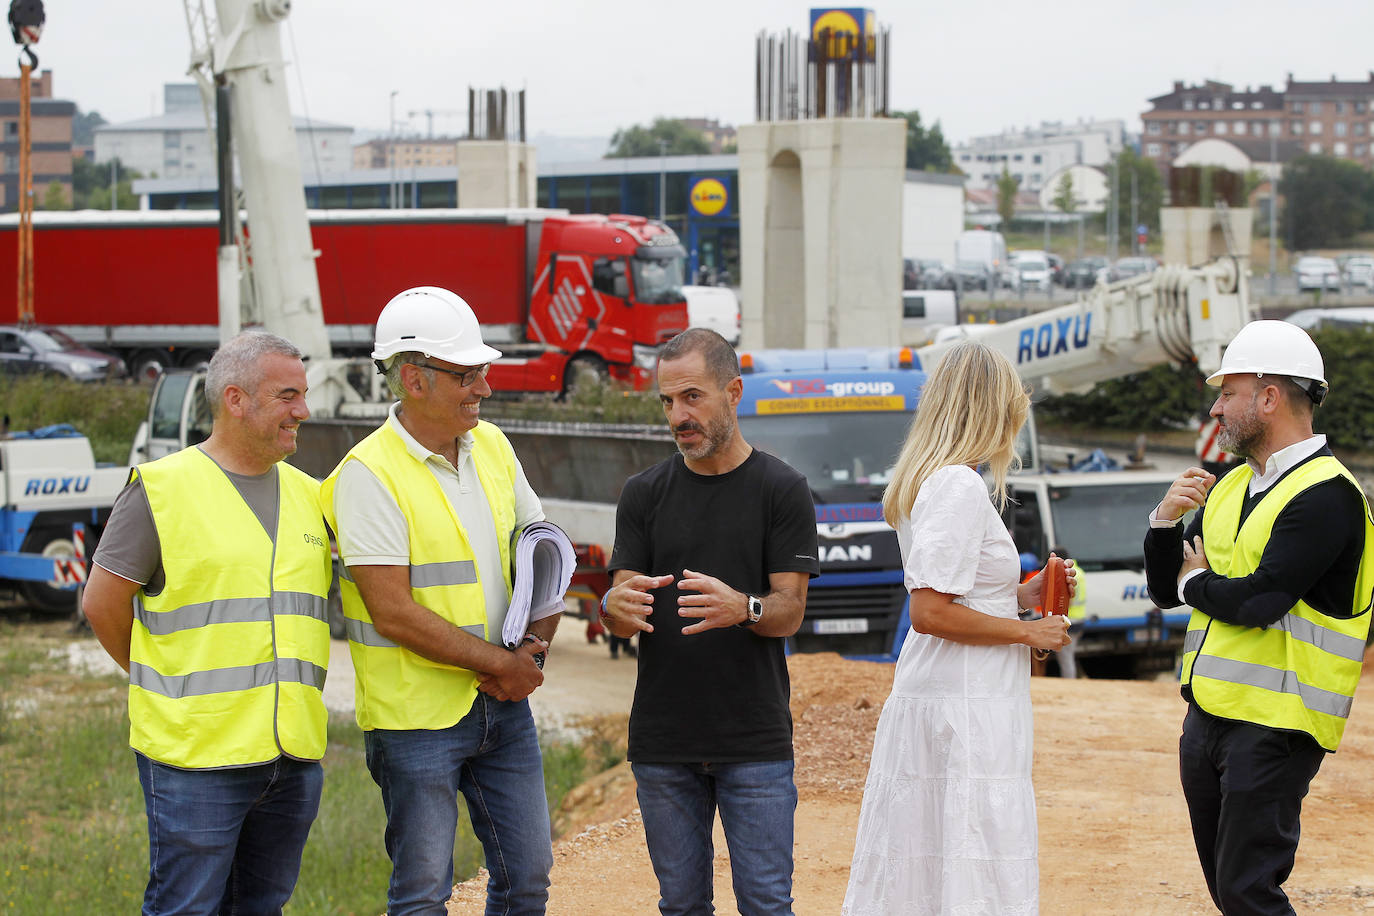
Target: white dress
(948, 820)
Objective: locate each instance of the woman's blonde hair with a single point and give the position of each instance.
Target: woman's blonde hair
(971, 408)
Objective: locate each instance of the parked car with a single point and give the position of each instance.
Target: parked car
(1316, 319)
(1030, 270)
(1125, 268)
(1084, 273)
(935, 274)
(1359, 271)
(1316, 273)
(38, 349)
(973, 275)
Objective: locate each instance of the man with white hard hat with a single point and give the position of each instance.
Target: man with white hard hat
(1278, 566)
(425, 510)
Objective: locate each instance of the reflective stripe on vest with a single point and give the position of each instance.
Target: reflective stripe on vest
(227, 662)
(1300, 672)
(397, 688)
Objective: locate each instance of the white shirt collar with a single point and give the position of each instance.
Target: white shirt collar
(413, 446)
(1282, 461)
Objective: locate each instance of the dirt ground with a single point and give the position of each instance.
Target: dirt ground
(1114, 834)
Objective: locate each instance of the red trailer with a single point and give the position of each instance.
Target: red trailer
(558, 294)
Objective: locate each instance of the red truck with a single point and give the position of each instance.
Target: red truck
(558, 294)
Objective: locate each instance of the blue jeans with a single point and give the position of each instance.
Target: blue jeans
(491, 756)
(226, 841)
(757, 803)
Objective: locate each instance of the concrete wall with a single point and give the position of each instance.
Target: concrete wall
(496, 173)
(820, 232)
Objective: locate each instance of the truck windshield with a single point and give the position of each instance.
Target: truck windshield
(1102, 526)
(658, 281)
(846, 457)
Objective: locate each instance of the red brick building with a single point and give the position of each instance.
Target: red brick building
(1333, 118)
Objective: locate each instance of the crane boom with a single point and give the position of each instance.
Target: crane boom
(1176, 314)
(243, 51)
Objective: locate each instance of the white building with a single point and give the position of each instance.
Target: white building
(176, 144)
(932, 214)
(1036, 153)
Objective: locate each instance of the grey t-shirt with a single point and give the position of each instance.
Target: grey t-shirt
(130, 548)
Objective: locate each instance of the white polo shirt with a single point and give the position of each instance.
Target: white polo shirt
(373, 531)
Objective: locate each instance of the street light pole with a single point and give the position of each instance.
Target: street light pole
(662, 179)
(391, 152)
(1273, 206)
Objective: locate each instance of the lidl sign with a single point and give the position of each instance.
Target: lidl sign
(709, 196)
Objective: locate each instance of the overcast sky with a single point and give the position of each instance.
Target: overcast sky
(589, 67)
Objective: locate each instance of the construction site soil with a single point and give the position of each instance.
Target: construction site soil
(1114, 836)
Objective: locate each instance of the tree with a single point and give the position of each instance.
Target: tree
(91, 185)
(1149, 193)
(1063, 194)
(83, 128)
(1325, 200)
(926, 149)
(677, 139)
(54, 198)
(1007, 185)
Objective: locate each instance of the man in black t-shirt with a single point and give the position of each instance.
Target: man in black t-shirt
(713, 551)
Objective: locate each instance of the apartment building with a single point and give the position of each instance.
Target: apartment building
(1034, 154)
(406, 152)
(1334, 118)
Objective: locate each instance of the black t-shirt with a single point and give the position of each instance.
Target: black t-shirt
(721, 695)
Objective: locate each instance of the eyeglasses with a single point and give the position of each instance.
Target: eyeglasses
(465, 377)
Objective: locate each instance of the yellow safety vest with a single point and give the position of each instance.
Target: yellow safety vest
(1078, 607)
(227, 662)
(394, 687)
(1300, 672)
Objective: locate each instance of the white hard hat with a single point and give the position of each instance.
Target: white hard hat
(1274, 348)
(433, 321)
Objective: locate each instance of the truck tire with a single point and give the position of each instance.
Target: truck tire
(46, 596)
(197, 359)
(584, 370)
(147, 365)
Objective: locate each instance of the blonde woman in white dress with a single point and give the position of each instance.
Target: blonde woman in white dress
(948, 820)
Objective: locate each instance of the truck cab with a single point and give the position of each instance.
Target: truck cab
(840, 417)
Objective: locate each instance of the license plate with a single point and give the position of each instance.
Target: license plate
(1144, 634)
(837, 627)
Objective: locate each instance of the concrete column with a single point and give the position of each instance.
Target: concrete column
(820, 232)
(496, 173)
(1196, 235)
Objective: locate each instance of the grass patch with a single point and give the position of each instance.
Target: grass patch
(74, 834)
(107, 413)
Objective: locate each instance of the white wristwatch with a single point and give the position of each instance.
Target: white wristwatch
(753, 611)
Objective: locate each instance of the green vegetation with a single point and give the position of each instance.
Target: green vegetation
(107, 413)
(666, 136)
(589, 402)
(1326, 201)
(926, 149)
(74, 836)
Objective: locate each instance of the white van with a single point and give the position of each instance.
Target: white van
(985, 247)
(926, 311)
(713, 307)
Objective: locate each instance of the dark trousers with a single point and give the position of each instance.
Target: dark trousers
(1244, 785)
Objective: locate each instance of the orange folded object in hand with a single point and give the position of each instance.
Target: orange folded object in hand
(1055, 589)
